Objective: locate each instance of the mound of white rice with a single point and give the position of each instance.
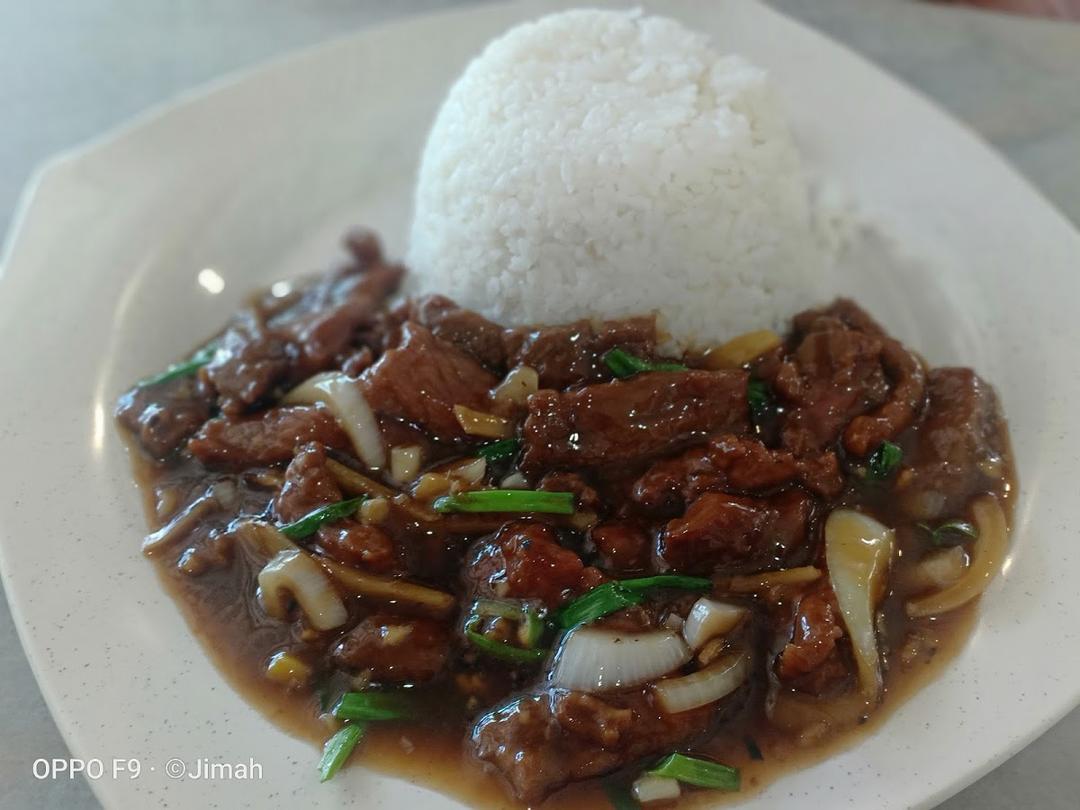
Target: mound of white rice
(600, 164)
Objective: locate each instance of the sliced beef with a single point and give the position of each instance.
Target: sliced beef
(251, 362)
(161, 417)
(423, 379)
(633, 420)
(721, 530)
(834, 375)
(541, 742)
(624, 546)
(811, 661)
(308, 485)
(270, 438)
(525, 561)
(736, 463)
(464, 328)
(395, 649)
(908, 378)
(572, 353)
(960, 448)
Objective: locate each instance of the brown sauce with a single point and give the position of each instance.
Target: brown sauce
(698, 455)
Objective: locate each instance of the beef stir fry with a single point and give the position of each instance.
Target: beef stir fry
(579, 557)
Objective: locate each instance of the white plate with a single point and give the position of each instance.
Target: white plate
(255, 179)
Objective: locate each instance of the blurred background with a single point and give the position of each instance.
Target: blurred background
(72, 69)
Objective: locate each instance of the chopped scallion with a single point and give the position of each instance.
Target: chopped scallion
(884, 461)
(184, 369)
(623, 364)
(531, 624)
(507, 500)
(501, 650)
(502, 450)
(760, 401)
(373, 706)
(698, 772)
(951, 532)
(338, 748)
(310, 523)
(613, 596)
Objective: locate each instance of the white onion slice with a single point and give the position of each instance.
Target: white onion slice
(655, 789)
(858, 550)
(344, 398)
(704, 686)
(594, 660)
(709, 618)
(293, 572)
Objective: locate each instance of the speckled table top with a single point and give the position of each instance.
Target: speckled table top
(68, 72)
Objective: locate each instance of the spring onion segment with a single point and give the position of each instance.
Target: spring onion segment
(184, 369)
(344, 397)
(698, 772)
(705, 686)
(613, 596)
(338, 748)
(507, 500)
(595, 660)
(310, 523)
(884, 461)
(373, 706)
(950, 533)
(502, 650)
(987, 555)
(502, 450)
(294, 572)
(623, 364)
(655, 789)
(709, 618)
(858, 550)
(760, 401)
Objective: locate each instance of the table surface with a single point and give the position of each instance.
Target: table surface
(69, 71)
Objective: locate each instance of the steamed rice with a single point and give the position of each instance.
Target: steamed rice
(601, 164)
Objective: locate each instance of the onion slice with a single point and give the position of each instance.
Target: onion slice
(986, 559)
(858, 550)
(704, 686)
(594, 660)
(709, 618)
(294, 572)
(345, 399)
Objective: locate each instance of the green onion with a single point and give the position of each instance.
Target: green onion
(373, 706)
(760, 401)
(698, 772)
(507, 500)
(595, 604)
(188, 367)
(309, 523)
(502, 650)
(613, 596)
(884, 461)
(338, 748)
(623, 364)
(667, 581)
(752, 748)
(531, 624)
(950, 533)
(502, 450)
(620, 796)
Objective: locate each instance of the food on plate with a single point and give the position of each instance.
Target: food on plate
(624, 530)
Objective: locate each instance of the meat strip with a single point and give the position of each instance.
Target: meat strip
(525, 561)
(720, 530)
(632, 420)
(464, 328)
(423, 379)
(161, 417)
(272, 437)
(961, 446)
(811, 661)
(737, 463)
(395, 649)
(865, 433)
(541, 742)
